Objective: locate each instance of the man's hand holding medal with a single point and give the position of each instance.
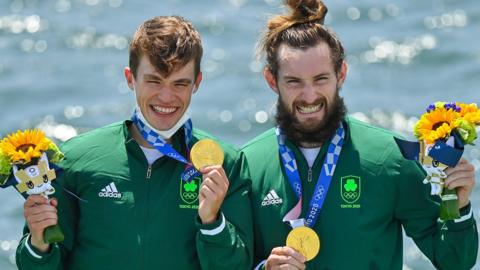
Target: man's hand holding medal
(207, 157)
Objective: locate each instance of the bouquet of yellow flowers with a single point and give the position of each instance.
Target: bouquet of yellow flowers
(442, 120)
(442, 133)
(25, 161)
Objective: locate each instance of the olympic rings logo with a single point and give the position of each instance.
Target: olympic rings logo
(298, 188)
(189, 195)
(321, 193)
(350, 195)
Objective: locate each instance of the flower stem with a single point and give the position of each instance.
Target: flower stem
(449, 205)
(53, 234)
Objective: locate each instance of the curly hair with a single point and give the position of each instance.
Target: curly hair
(170, 42)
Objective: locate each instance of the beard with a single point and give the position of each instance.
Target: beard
(312, 134)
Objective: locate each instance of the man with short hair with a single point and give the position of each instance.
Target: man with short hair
(141, 204)
(323, 174)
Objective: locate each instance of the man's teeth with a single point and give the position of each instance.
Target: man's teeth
(164, 110)
(309, 109)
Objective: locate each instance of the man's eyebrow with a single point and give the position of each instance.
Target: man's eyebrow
(184, 80)
(152, 77)
(288, 77)
(322, 75)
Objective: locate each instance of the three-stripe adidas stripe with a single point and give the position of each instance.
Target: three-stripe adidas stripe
(110, 188)
(110, 191)
(271, 198)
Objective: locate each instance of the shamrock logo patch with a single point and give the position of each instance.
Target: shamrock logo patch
(190, 186)
(189, 190)
(350, 188)
(351, 185)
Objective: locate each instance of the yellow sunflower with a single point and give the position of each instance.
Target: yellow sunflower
(436, 124)
(470, 113)
(21, 147)
(467, 108)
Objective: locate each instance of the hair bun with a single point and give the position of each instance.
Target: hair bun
(307, 10)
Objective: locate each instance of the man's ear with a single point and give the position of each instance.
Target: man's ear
(129, 77)
(270, 78)
(197, 82)
(342, 74)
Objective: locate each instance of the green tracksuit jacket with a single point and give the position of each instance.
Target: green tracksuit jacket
(138, 216)
(373, 193)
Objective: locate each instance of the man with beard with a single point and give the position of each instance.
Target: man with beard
(323, 177)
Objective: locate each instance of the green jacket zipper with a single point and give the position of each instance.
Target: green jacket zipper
(309, 177)
(149, 171)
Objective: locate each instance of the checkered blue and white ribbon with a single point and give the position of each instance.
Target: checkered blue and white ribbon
(325, 177)
(154, 139)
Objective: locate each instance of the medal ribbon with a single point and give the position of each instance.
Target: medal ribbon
(155, 140)
(324, 179)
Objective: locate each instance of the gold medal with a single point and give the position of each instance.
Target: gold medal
(206, 152)
(305, 241)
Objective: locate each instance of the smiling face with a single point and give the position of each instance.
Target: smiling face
(162, 100)
(306, 82)
(308, 87)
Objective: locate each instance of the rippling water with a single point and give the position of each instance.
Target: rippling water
(61, 69)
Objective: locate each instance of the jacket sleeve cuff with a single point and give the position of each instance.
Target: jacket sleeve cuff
(214, 228)
(466, 213)
(218, 233)
(465, 220)
(36, 255)
(261, 265)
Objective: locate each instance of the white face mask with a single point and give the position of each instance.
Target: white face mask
(165, 134)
